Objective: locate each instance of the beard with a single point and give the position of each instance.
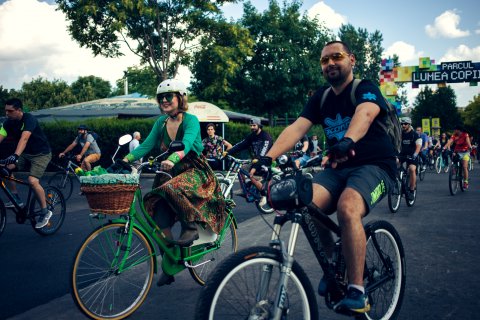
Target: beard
(335, 75)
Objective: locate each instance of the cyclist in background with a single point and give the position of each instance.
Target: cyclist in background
(462, 148)
(352, 184)
(411, 146)
(424, 149)
(302, 148)
(32, 149)
(442, 141)
(90, 151)
(259, 142)
(213, 147)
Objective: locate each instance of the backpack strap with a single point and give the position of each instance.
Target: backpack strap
(355, 84)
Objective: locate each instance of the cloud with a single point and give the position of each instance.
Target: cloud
(325, 14)
(405, 51)
(36, 43)
(462, 53)
(446, 25)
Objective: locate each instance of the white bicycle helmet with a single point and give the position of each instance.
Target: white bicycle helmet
(172, 85)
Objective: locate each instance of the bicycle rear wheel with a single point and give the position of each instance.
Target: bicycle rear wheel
(64, 182)
(439, 164)
(421, 169)
(453, 182)
(395, 196)
(56, 204)
(3, 217)
(228, 245)
(384, 271)
(99, 288)
(245, 286)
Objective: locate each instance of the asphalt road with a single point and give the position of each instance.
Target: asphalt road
(439, 235)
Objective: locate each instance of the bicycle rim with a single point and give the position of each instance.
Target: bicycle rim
(384, 282)
(395, 196)
(63, 182)
(228, 246)
(438, 164)
(453, 183)
(56, 204)
(99, 289)
(249, 288)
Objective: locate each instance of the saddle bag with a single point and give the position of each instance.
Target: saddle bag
(290, 192)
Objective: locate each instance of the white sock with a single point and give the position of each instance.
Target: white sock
(359, 288)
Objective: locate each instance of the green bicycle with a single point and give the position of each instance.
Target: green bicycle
(113, 269)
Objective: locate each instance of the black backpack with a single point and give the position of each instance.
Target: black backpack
(391, 124)
(94, 135)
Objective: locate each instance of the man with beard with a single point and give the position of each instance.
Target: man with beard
(361, 161)
(258, 141)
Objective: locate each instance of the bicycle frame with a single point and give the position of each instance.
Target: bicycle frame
(172, 255)
(21, 213)
(69, 168)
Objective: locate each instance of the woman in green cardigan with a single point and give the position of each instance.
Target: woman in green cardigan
(193, 195)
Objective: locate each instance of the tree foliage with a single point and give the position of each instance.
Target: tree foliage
(163, 34)
(471, 117)
(441, 103)
(90, 88)
(42, 94)
(139, 79)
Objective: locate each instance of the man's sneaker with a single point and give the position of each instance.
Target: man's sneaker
(9, 204)
(355, 301)
(43, 220)
(410, 195)
(322, 287)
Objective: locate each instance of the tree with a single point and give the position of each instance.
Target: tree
(441, 103)
(284, 66)
(219, 61)
(41, 94)
(367, 48)
(90, 88)
(471, 117)
(140, 79)
(161, 33)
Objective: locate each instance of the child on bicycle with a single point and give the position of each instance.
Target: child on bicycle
(193, 195)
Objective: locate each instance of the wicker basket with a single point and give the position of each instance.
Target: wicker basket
(109, 198)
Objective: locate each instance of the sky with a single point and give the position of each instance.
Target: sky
(35, 41)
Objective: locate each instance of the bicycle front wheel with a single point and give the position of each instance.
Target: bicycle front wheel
(453, 181)
(228, 245)
(439, 164)
(64, 182)
(384, 271)
(245, 286)
(394, 196)
(3, 217)
(56, 204)
(111, 277)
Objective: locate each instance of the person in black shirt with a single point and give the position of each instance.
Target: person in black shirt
(411, 146)
(361, 156)
(259, 142)
(32, 149)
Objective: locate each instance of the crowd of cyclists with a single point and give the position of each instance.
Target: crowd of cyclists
(360, 160)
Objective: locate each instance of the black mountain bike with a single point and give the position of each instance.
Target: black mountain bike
(400, 188)
(266, 282)
(32, 209)
(455, 175)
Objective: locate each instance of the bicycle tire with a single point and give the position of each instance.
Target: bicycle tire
(384, 284)
(395, 196)
(421, 171)
(453, 183)
(56, 204)
(226, 290)
(3, 217)
(228, 246)
(64, 182)
(439, 164)
(265, 209)
(98, 289)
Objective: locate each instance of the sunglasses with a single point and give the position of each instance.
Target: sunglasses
(338, 56)
(405, 123)
(167, 96)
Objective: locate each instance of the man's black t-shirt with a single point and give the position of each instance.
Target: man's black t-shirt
(408, 142)
(259, 144)
(375, 147)
(37, 143)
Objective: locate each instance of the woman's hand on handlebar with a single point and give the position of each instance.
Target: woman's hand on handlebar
(166, 165)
